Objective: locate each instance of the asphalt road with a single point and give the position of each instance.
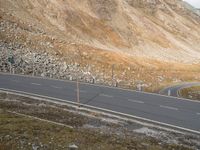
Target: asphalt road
(174, 90)
(169, 110)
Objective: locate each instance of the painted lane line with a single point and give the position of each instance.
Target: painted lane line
(56, 87)
(104, 95)
(198, 114)
(135, 101)
(35, 84)
(168, 107)
(96, 85)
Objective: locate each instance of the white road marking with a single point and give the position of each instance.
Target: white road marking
(56, 87)
(198, 113)
(96, 85)
(135, 101)
(104, 95)
(35, 84)
(115, 113)
(168, 107)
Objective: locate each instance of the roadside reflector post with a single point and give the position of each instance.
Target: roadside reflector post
(169, 93)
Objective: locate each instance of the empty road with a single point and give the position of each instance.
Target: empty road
(177, 112)
(174, 90)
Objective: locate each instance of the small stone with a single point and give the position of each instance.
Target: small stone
(73, 147)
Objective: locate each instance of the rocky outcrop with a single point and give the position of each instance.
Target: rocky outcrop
(40, 64)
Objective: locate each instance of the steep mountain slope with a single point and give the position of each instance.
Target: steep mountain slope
(162, 29)
(143, 34)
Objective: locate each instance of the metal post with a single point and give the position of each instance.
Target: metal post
(77, 89)
(77, 81)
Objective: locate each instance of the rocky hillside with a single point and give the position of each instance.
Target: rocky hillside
(147, 40)
(161, 29)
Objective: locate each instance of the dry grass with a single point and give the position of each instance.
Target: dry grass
(24, 133)
(191, 93)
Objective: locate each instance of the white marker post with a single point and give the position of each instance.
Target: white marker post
(169, 92)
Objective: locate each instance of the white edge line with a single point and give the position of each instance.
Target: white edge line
(198, 113)
(155, 94)
(105, 110)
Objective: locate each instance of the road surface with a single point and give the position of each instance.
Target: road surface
(173, 111)
(174, 90)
